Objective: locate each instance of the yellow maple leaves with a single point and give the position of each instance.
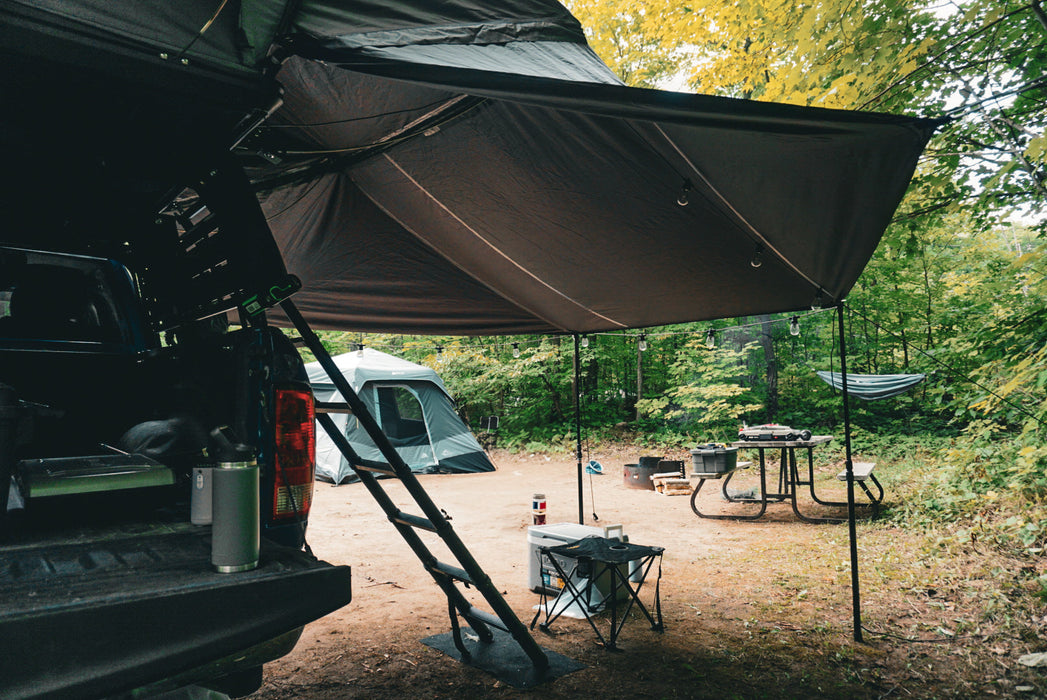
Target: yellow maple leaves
(829, 53)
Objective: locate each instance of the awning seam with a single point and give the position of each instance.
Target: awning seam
(759, 236)
(500, 252)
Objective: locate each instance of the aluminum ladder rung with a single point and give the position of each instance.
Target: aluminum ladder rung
(453, 571)
(374, 467)
(475, 613)
(198, 232)
(413, 521)
(330, 407)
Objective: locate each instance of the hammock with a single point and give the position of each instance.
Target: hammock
(872, 387)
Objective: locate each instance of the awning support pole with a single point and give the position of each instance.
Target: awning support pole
(856, 600)
(578, 428)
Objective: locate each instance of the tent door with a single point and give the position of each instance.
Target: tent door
(402, 418)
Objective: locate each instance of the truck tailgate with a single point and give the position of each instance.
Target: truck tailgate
(103, 616)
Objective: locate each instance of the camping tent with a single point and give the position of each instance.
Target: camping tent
(413, 407)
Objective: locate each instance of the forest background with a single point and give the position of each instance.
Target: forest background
(956, 289)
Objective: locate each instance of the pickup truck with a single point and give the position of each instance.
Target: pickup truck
(106, 587)
(128, 236)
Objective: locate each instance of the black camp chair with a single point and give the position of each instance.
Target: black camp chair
(488, 435)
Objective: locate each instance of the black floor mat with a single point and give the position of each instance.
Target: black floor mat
(504, 659)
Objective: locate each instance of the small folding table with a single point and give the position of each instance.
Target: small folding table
(604, 571)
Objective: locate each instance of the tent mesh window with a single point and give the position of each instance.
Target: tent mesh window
(401, 416)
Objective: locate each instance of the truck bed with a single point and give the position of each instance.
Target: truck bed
(101, 613)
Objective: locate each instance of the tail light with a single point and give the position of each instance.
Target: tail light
(295, 453)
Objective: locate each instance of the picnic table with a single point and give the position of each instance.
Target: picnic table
(790, 480)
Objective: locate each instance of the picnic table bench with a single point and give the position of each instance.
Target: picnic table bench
(789, 481)
(863, 471)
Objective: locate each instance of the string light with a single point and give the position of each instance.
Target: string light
(682, 199)
(359, 349)
(585, 340)
(643, 342)
(710, 339)
(757, 258)
(794, 326)
(819, 301)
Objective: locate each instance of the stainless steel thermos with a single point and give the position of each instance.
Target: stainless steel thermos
(234, 509)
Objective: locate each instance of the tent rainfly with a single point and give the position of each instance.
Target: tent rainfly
(413, 407)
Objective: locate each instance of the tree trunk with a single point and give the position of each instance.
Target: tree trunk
(869, 364)
(554, 394)
(905, 350)
(930, 308)
(767, 343)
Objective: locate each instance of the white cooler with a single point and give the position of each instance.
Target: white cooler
(543, 575)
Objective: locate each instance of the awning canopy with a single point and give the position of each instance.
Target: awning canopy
(543, 196)
(473, 168)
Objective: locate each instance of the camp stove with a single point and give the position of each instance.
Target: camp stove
(772, 432)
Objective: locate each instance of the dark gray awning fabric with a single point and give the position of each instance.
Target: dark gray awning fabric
(472, 167)
(560, 199)
(872, 387)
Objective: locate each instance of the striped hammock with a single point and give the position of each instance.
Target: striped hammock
(873, 387)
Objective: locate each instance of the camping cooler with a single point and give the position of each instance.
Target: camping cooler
(544, 576)
(713, 459)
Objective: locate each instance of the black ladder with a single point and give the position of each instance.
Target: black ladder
(447, 576)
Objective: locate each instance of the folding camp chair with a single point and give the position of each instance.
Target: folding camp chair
(605, 570)
(488, 436)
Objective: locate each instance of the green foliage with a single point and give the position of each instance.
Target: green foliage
(705, 396)
(983, 485)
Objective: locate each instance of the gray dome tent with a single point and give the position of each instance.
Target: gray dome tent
(413, 407)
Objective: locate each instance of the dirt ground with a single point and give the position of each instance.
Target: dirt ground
(751, 609)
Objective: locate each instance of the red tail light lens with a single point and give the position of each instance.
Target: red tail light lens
(295, 453)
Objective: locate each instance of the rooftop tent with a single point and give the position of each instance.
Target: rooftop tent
(413, 407)
(473, 168)
(514, 208)
(522, 174)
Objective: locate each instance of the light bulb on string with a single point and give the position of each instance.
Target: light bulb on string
(682, 199)
(359, 349)
(757, 259)
(516, 349)
(710, 339)
(439, 353)
(584, 342)
(794, 326)
(643, 342)
(819, 301)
